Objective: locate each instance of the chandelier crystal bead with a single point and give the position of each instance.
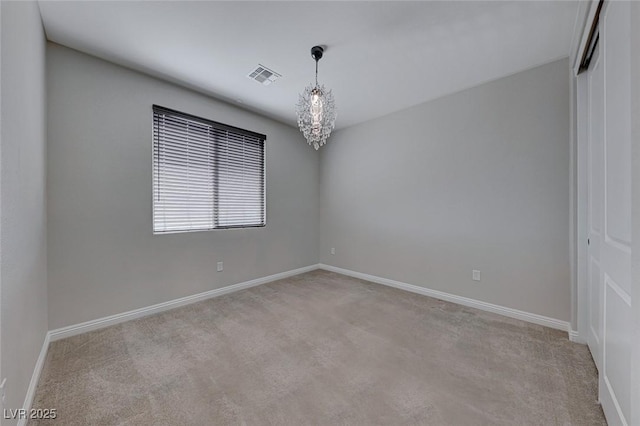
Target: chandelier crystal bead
(316, 109)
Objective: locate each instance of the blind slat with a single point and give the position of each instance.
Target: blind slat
(206, 175)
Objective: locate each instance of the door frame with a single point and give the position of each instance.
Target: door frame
(1, 376)
(635, 208)
(579, 334)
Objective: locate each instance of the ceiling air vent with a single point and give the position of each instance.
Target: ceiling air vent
(263, 75)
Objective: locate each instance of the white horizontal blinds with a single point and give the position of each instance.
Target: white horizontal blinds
(183, 165)
(205, 175)
(239, 180)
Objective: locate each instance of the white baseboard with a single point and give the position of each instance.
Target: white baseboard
(35, 377)
(484, 306)
(96, 324)
(575, 337)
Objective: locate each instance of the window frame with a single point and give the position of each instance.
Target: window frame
(220, 126)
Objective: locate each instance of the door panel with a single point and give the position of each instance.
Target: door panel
(617, 349)
(615, 249)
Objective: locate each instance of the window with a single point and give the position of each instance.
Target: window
(206, 175)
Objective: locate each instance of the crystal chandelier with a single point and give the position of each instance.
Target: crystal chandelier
(316, 109)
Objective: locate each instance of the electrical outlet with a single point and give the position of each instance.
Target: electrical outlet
(219, 266)
(476, 275)
(333, 250)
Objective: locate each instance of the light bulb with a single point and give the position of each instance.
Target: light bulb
(316, 109)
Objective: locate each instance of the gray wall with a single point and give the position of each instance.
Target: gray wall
(103, 257)
(475, 180)
(23, 266)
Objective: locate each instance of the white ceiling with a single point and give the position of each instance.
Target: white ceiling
(380, 56)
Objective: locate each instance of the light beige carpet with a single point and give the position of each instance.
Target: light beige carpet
(321, 349)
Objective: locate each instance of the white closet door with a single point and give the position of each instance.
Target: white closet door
(615, 242)
(595, 155)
